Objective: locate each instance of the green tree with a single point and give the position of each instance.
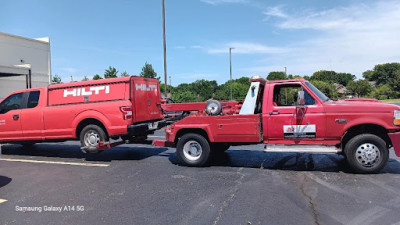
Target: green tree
(383, 73)
(239, 89)
(368, 74)
(333, 77)
(204, 89)
(148, 71)
(125, 74)
(97, 77)
(276, 75)
(111, 72)
(56, 79)
(184, 96)
(360, 87)
(85, 78)
(325, 88)
(344, 78)
(382, 92)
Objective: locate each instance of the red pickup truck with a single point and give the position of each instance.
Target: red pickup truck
(292, 116)
(92, 111)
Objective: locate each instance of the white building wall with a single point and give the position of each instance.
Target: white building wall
(16, 50)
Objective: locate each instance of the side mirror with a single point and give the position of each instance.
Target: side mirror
(300, 98)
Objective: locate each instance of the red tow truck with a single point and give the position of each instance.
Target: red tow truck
(291, 116)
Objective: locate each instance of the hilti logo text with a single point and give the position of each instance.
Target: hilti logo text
(85, 92)
(144, 87)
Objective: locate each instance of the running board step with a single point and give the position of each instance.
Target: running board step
(318, 149)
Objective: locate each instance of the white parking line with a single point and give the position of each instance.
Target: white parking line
(55, 162)
(2, 200)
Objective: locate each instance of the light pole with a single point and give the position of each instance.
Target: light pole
(165, 50)
(230, 68)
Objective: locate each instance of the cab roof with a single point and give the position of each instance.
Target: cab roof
(286, 81)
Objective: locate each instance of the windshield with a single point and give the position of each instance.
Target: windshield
(317, 92)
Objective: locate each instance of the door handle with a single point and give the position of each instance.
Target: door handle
(16, 117)
(274, 112)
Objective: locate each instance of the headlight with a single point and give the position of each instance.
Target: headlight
(396, 117)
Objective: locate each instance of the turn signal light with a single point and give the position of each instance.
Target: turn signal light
(396, 117)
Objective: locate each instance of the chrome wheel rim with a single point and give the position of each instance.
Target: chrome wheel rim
(192, 150)
(92, 138)
(368, 154)
(212, 108)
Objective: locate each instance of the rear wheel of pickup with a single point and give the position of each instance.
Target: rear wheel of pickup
(91, 136)
(366, 153)
(193, 150)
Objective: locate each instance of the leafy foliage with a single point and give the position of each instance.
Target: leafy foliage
(85, 78)
(97, 77)
(276, 75)
(111, 72)
(384, 74)
(125, 74)
(333, 77)
(56, 79)
(360, 88)
(148, 71)
(326, 88)
(382, 92)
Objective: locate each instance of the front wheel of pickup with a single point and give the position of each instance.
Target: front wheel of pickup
(91, 136)
(366, 153)
(193, 150)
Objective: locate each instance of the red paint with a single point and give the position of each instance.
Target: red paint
(115, 103)
(267, 126)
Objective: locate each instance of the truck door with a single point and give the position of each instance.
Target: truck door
(288, 124)
(32, 117)
(10, 112)
(147, 99)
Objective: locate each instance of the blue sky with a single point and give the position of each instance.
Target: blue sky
(305, 36)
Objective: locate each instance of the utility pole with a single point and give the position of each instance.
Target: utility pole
(165, 49)
(230, 68)
(170, 85)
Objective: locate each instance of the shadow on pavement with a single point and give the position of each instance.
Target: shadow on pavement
(287, 161)
(73, 151)
(4, 181)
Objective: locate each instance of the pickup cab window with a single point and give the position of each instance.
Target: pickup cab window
(286, 95)
(33, 99)
(13, 102)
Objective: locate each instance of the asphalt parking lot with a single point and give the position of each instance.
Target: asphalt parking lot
(139, 184)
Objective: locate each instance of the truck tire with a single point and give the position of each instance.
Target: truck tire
(193, 150)
(219, 147)
(213, 107)
(91, 135)
(366, 153)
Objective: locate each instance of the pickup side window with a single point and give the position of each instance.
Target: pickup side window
(33, 99)
(13, 102)
(286, 95)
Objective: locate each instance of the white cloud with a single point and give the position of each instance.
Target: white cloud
(180, 47)
(275, 12)
(346, 39)
(197, 46)
(215, 2)
(247, 48)
(70, 70)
